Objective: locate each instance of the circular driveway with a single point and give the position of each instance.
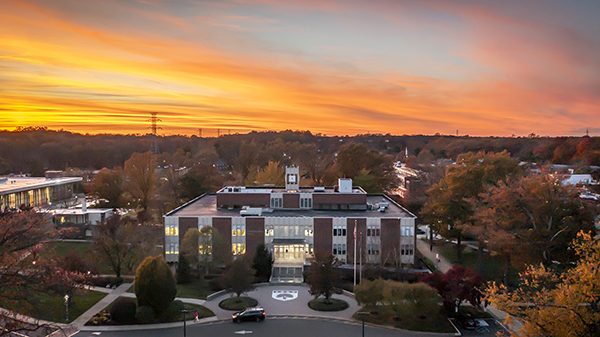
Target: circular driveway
(285, 300)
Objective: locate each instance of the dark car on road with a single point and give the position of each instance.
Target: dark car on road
(250, 314)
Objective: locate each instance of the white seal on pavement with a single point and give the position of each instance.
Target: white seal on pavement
(285, 295)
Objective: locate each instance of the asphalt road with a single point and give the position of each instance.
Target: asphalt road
(272, 326)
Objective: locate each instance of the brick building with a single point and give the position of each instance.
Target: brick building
(297, 222)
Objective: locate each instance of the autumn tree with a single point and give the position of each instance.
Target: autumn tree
(108, 185)
(122, 243)
(201, 178)
(457, 285)
(561, 304)
(272, 174)
(324, 277)
(27, 267)
(140, 171)
(452, 200)
(533, 220)
(238, 276)
(316, 163)
(353, 158)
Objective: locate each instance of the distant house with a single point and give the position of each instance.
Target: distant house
(408, 179)
(81, 222)
(579, 179)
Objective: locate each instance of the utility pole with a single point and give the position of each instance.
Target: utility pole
(153, 128)
(355, 252)
(200, 133)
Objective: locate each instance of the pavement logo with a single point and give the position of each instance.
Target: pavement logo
(285, 295)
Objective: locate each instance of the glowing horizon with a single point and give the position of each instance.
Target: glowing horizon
(332, 67)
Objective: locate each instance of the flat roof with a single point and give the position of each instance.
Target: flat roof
(206, 206)
(10, 185)
(277, 189)
(79, 211)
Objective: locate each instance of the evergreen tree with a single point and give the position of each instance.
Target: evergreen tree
(263, 262)
(154, 284)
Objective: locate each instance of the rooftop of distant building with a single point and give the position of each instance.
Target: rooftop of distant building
(14, 184)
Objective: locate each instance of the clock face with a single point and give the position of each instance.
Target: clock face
(291, 179)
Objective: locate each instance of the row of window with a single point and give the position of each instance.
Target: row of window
(305, 202)
(287, 231)
(406, 249)
(174, 248)
(238, 231)
(339, 249)
(238, 248)
(277, 202)
(373, 231)
(339, 231)
(373, 249)
(171, 230)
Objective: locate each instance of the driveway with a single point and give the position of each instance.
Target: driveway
(292, 301)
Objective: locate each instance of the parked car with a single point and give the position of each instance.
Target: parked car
(250, 314)
(467, 321)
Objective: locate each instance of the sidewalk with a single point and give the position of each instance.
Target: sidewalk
(108, 299)
(443, 265)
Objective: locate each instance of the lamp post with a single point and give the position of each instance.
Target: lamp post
(362, 315)
(184, 311)
(67, 307)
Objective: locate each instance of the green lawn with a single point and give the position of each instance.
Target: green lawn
(437, 322)
(319, 304)
(52, 307)
(493, 265)
(63, 248)
(238, 303)
(197, 289)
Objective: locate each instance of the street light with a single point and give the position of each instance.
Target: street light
(67, 307)
(184, 311)
(362, 315)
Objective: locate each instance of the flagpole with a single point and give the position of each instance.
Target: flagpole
(355, 253)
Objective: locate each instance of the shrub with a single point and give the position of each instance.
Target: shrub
(172, 312)
(184, 274)
(123, 311)
(145, 315)
(154, 284)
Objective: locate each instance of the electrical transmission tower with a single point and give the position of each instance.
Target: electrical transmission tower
(153, 127)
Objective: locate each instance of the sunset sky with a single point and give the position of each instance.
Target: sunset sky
(334, 67)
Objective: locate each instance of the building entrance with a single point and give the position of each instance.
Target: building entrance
(289, 251)
(289, 255)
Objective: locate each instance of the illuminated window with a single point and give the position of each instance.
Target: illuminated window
(233, 232)
(166, 230)
(176, 230)
(243, 233)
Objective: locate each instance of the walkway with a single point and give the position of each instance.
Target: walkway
(444, 265)
(103, 303)
(434, 255)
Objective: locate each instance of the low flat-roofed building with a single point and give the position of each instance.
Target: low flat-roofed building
(297, 222)
(82, 221)
(34, 191)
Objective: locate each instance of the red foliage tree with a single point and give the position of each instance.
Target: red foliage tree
(457, 285)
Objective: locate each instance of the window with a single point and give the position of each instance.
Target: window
(238, 248)
(310, 203)
(301, 202)
(344, 249)
(377, 232)
(233, 232)
(166, 230)
(308, 232)
(369, 232)
(402, 250)
(334, 231)
(344, 231)
(406, 231)
(335, 249)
